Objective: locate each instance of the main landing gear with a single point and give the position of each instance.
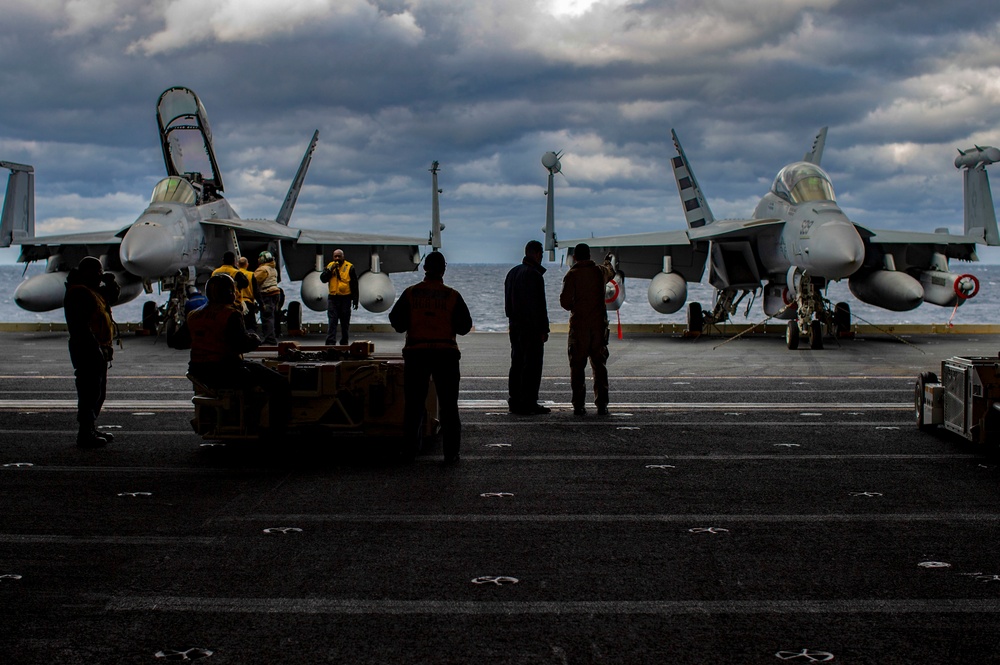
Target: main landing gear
(814, 315)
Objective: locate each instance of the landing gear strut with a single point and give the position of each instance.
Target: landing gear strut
(813, 313)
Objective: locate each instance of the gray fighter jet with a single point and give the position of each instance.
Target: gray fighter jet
(798, 241)
(182, 235)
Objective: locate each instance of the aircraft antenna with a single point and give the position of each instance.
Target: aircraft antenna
(550, 161)
(436, 225)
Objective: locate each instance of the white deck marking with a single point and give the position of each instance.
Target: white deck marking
(508, 608)
(485, 404)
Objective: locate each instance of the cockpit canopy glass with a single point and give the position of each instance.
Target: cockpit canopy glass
(803, 181)
(174, 190)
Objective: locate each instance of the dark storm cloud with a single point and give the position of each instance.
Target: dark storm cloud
(486, 87)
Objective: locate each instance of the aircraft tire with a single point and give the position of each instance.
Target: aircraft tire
(695, 318)
(816, 335)
(294, 317)
(919, 401)
(792, 335)
(841, 318)
(150, 318)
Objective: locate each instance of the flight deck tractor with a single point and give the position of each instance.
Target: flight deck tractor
(965, 400)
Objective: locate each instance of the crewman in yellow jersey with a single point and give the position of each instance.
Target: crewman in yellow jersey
(249, 295)
(343, 282)
(431, 314)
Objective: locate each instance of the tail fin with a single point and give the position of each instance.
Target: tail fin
(436, 226)
(815, 155)
(17, 221)
(696, 210)
(980, 215)
(285, 214)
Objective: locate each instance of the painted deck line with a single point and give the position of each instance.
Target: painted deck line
(487, 404)
(693, 520)
(513, 608)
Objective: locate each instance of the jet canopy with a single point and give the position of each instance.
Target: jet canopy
(801, 182)
(174, 190)
(186, 139)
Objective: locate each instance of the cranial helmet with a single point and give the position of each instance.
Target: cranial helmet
(221, 289)
(265, 257)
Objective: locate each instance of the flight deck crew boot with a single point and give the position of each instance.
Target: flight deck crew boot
(87, 437)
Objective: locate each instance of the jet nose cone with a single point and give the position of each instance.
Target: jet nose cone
(836, 250)
(147, 250)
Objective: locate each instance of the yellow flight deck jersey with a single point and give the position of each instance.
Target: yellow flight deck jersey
(246, 294)
(340, 280)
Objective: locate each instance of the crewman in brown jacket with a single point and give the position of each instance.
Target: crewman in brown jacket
(583, 296)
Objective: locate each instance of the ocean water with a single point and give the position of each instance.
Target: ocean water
(482, 287)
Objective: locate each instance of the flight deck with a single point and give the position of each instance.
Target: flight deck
(742, 504)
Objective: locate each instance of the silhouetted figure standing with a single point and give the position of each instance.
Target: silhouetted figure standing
(344, 295)
(90, 293)
(583, 295)
(431, 314)
(528, 317)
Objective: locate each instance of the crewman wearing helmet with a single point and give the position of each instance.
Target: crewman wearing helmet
(244, 289)
(218, 339)
(270, 295)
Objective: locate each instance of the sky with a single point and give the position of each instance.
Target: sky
(485, 87)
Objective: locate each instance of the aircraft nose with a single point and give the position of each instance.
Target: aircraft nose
(836, 250)
(147, 250)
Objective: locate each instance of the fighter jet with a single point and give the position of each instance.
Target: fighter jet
(797, 241)
(180, 238)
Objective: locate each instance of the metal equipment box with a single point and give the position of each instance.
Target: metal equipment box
(966, 401)
(971, 388)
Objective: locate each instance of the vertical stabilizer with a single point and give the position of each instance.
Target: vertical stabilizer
(696, 210)
(980, 215)
(285, 214)
(815, 155)
(18, 218)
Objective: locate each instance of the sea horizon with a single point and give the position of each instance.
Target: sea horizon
(481, 285)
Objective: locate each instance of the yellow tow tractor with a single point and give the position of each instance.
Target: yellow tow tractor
(341, 390)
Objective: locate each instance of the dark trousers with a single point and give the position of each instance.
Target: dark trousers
(91, 381)
(527, 351)
(338, 309)
(268, 317)
(419, 367)
(588, 344)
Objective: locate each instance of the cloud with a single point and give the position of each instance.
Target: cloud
(192, 22)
